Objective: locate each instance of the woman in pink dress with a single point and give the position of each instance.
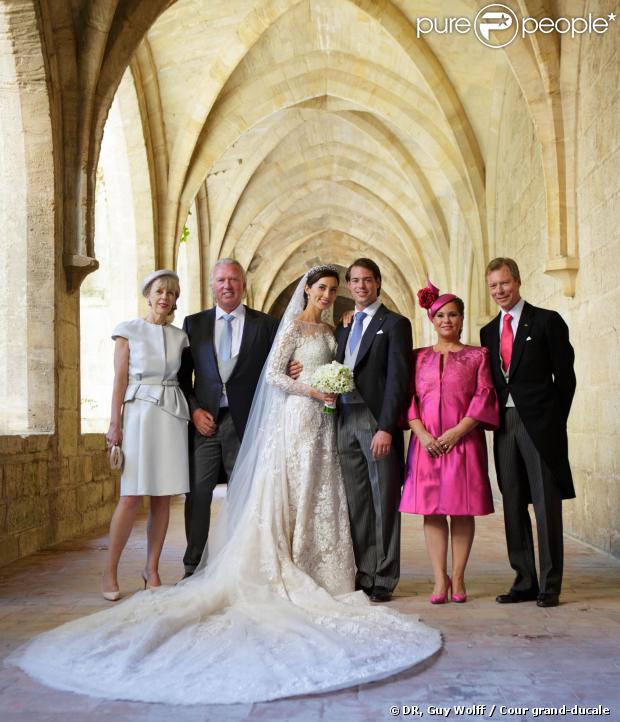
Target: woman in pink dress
(447, 474)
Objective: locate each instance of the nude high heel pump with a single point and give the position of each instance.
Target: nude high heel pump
(145, 579)
(112, 596)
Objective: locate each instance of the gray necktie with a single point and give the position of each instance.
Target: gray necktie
(225, 350)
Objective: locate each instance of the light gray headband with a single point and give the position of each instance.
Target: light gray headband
(158, 274)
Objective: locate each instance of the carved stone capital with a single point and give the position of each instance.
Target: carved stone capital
(565, 270)
(77, 267)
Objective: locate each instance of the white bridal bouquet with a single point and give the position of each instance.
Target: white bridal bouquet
(333, 378)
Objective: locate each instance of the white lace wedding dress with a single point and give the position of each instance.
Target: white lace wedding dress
(318, 517)
(272, 614)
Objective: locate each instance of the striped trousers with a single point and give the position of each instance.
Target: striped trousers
(524, 476)
(373, 491)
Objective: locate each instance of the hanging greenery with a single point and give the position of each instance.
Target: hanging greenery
(185, 234)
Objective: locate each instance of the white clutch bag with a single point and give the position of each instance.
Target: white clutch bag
(116, 458)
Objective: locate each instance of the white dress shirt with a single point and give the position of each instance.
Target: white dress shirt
(237, 333)
(237, 328)
(350, 357)
(515, 312)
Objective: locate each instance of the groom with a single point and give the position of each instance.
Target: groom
(377, 347)
(219, 374)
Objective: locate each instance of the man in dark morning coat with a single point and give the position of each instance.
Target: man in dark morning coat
(219, 374)
(377, 345)
(532, 361)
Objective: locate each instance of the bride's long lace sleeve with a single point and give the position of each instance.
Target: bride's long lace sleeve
(276, 371)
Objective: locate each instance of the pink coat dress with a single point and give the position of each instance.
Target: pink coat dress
(456, 483)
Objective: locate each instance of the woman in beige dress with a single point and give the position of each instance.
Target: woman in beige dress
(149, 417)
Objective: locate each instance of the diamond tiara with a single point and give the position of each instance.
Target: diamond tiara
(321, 267)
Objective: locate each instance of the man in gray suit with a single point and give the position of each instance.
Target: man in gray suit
(377, 347)
(229, 345)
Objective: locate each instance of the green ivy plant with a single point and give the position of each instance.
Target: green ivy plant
(185, 234)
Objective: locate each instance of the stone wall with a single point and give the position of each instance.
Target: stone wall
(54, 483)
(594, 423)
(27, 221)
(46, 498)
(591, 315)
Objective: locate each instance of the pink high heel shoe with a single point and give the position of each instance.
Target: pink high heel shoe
(441, 598)
(459, 598)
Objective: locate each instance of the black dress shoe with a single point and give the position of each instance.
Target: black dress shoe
(514, 597)
(380, 594)
(548, 600)
(367, 590)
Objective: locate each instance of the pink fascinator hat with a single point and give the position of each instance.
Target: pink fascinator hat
(430, 299)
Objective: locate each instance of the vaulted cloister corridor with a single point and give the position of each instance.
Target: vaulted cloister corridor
(141, 134)
(283, 132)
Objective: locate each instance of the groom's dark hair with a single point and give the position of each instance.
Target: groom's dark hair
(369, 265)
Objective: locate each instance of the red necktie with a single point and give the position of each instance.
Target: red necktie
(505, 345)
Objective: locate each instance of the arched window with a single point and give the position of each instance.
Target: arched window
(27, 239)
(124, 248)
(188, 268)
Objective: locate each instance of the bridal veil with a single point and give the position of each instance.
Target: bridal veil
(249, 625)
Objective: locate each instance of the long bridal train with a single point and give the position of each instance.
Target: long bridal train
(251, 625)
(254, 629)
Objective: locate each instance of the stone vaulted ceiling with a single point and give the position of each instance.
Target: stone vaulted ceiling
(319, 129)
(307, 129)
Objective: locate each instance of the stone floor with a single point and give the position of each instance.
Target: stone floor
(515, 656)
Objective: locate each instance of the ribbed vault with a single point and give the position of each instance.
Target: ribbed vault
(283, 123)
(314, 130)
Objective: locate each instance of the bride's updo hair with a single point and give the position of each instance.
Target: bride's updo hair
(318, 272)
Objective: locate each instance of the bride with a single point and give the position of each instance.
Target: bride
(273, 613)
